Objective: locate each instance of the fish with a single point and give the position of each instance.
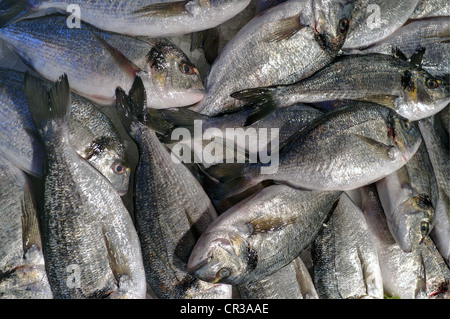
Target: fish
(171, 208)
(135, 18)
(342, 150)
(374, 20)
(409, 197)
(437, 146)
(419, 274)
(384, 79)
(431, 8)
(431, 34)
(345, 259)
(258, 236)
(90, 244)
(290, 282)
(22, 265)
(92, 134)
(282, 45)
(97, 62)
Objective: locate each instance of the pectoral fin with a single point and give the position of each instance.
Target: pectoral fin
(385, 151)
(284, 29)
(30, 225)
(386, 100)
(164, 9)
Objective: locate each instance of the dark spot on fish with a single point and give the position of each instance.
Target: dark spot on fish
(97, 146)
(407, 83)
(268, 225)
(252, 258)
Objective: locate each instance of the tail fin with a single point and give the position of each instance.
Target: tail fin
(262, 99)
(230, 180)
(47, 105)
(13, 10)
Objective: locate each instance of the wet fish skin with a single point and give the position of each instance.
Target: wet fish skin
(409, 198)
(293, 39)
(409, 90)
(22, 265)
(97, 62)
(235, 248)
(431, 34)
(374, 20)
(171, 209)
(137, 18)
(345, 257)
(92, 134)
(84, 221)
(341, 140)
(430, 8)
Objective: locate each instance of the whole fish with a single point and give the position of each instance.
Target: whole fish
(260, 235)
(341, 150)
(290, 282)
(92, 134)
(409, 90)
(437, 146)
(137, 18)
(171, 208)
(431, 34)
(374, 20)
(420, 274)
(22, 266)
(409, 197)
(345, 257)
(90, 245)
(282, 45)
(431, 8)
(97, 62)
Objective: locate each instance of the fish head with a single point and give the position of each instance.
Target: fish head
(412, 222)
(423, 94)
(218, 257)
(173, 75)
(332, 19)
(404, 134)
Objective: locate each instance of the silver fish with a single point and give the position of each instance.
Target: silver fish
(284, 44)
(411, 91)
(97, 62)
(342, 150)
(374, 20)
(431, 8)
(260, 235)
(22, 266)
(437, 146)
(409, 197)
(431, 34)
(92, 134)
(345, 257)
(90, 245)
(290, 282)
(138, 18)
(171, 209)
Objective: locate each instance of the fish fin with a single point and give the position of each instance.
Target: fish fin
(399, 54)
(284, 29)
(14, 10)
(417, 57)
(126, 64)
(30, 225)
(386, 151)
(229, 177)
(407, 82)
(124, 109)
(386, 100)
(261, 98)
(164, 9)
(208, 40)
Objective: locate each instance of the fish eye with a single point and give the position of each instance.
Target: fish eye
(406, 125)
(432, 83)
(223, 273)
(424, 227)
(187, 69)
(119, 168)
(343, 25)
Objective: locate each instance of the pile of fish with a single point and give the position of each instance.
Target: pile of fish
(109, 188)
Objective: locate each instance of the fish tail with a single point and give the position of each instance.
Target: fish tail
(48, 105)
(230, 178)
(13, 10)
(262, 99)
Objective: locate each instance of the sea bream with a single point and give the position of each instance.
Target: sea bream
(281, 45)
(149, 18)
(97, 62)
(92, 134)
(171, 208)
(90, 245)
